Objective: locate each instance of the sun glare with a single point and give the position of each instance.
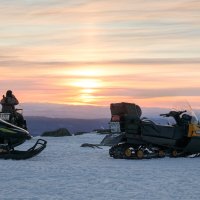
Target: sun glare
(87, 98)
(87, 89)
(87, 83)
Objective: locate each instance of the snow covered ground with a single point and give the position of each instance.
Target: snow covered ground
(66, 171)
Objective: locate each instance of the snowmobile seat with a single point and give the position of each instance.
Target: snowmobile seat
(149, 128)
(166, 131)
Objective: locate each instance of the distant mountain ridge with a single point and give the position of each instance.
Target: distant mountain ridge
(37, 125)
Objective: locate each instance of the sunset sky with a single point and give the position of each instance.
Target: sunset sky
(95, 52)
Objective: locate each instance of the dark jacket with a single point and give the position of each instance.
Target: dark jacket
(8, 104)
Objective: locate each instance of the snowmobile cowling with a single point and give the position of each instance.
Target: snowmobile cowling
(12, 136)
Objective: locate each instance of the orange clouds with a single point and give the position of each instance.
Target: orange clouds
(97, 52)
(149, 82)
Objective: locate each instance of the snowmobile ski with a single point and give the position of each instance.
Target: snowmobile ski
(38, 147)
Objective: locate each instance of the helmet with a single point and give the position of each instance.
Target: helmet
(9, 93)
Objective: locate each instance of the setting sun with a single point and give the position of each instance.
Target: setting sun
(86, 89)
(88, 83)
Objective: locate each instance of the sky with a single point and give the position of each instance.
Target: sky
(96, 52)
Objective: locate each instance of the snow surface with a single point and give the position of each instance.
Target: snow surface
(66, 171)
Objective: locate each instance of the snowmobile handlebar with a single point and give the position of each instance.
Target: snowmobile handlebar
(173, 113)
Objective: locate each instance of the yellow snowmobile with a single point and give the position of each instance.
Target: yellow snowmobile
(142, 138)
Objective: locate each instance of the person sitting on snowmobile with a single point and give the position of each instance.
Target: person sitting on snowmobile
(8, 106)
(8, 102)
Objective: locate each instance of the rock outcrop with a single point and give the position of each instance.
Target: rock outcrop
(57, 133)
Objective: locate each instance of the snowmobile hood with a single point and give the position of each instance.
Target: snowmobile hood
(8, 130)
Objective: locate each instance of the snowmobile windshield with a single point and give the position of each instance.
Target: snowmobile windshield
(187, 110)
